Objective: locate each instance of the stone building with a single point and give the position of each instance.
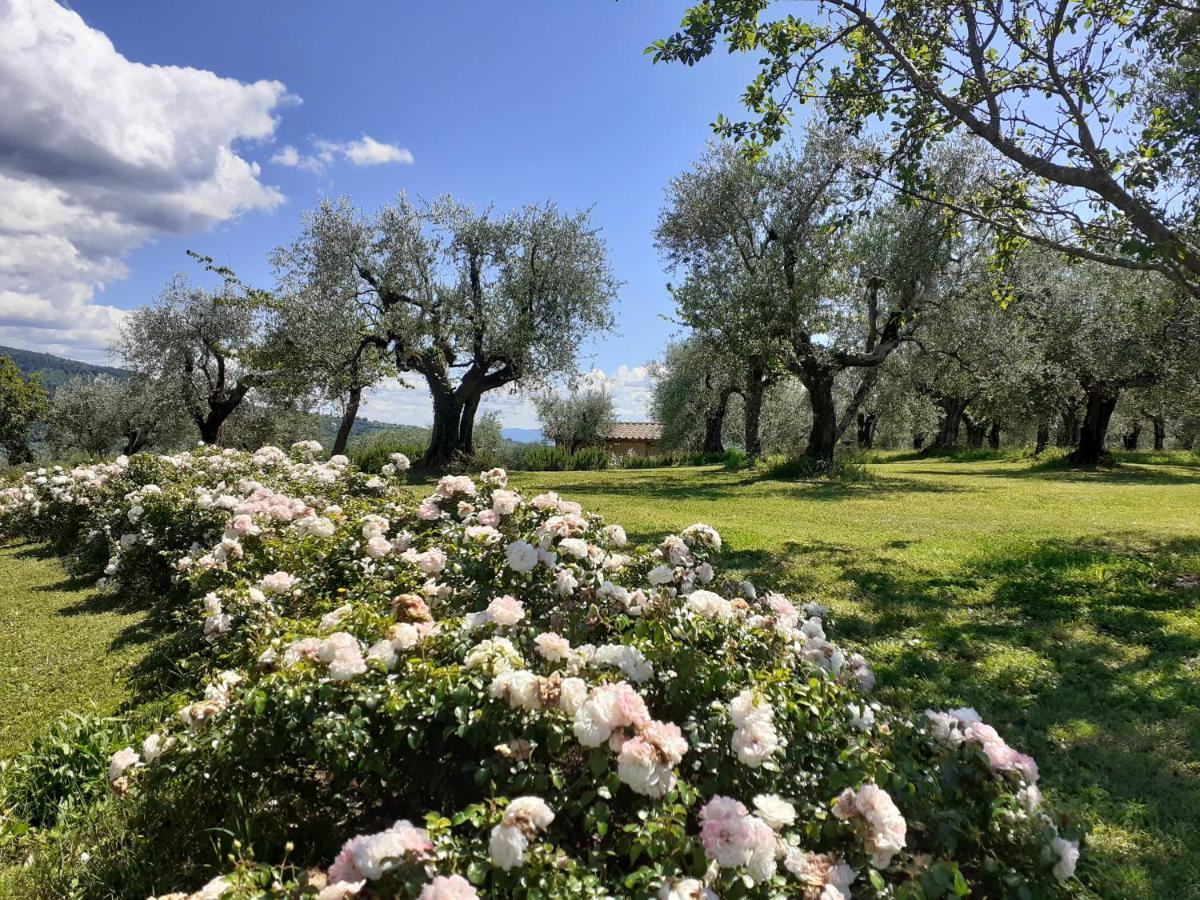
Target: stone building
(633, 438)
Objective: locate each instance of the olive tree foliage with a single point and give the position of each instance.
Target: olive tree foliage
(1112, 331)
(22, 402)
(692, 386)
(201, 346)
(972, 355)
(99, 414)
(1091, 106)
(328, 338)
(469, 300)
(784, 260)
(577, 418)
(722, 226)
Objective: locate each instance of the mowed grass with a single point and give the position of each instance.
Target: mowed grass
(1065, 606)
(63, 647)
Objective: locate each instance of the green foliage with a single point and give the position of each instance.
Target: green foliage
(22, 402)
(731, 459)
(805, 468)
(64, 769)
(557, 459)
(926, 70)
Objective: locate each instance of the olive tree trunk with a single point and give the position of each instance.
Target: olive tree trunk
(1101, 400)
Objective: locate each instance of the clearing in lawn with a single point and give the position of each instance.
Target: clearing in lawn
(1062, 604)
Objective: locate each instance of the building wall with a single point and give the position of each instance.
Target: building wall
(632, 448)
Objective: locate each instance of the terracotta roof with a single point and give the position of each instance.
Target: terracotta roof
(634, 431)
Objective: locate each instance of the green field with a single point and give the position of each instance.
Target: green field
(1065, 606)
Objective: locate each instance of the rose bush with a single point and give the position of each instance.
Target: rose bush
(485, 694)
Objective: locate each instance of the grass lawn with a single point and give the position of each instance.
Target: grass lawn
(1064, 606)
(62, 646)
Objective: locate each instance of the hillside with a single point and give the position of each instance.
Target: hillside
(56, 370)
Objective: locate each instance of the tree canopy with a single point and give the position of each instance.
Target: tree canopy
(470, 300)
(1089, 105)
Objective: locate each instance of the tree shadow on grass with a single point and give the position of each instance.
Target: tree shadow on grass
(1145, 476)
(659, 486)
(1085, 653)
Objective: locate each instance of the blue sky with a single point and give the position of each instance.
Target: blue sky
(495, 102)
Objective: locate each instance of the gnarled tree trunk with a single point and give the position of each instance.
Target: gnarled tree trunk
(714, 424)
(1101, 400)
(756, 386)
(1043, 437)
(975, 432)
(953, 409)
(867, 425)
(1129, 440)
(994, 435)
(349, 414)
(823, 435)
(1068, 427)
(1159, 423)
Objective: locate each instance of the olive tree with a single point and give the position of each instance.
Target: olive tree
(692, 388)
(784, 259)
(471, 301)
(1091, 106)
(576, 418)
(202, 345)
(102, 413)
(329, 339)
(1113, 330)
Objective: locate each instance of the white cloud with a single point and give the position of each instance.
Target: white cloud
(370, 152)
(98, 154)
(630, 388)
(364, 152)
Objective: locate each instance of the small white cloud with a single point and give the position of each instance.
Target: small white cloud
(364, 152)
(370, 152)
(287, 156)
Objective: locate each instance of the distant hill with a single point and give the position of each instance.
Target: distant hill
(56, 370)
